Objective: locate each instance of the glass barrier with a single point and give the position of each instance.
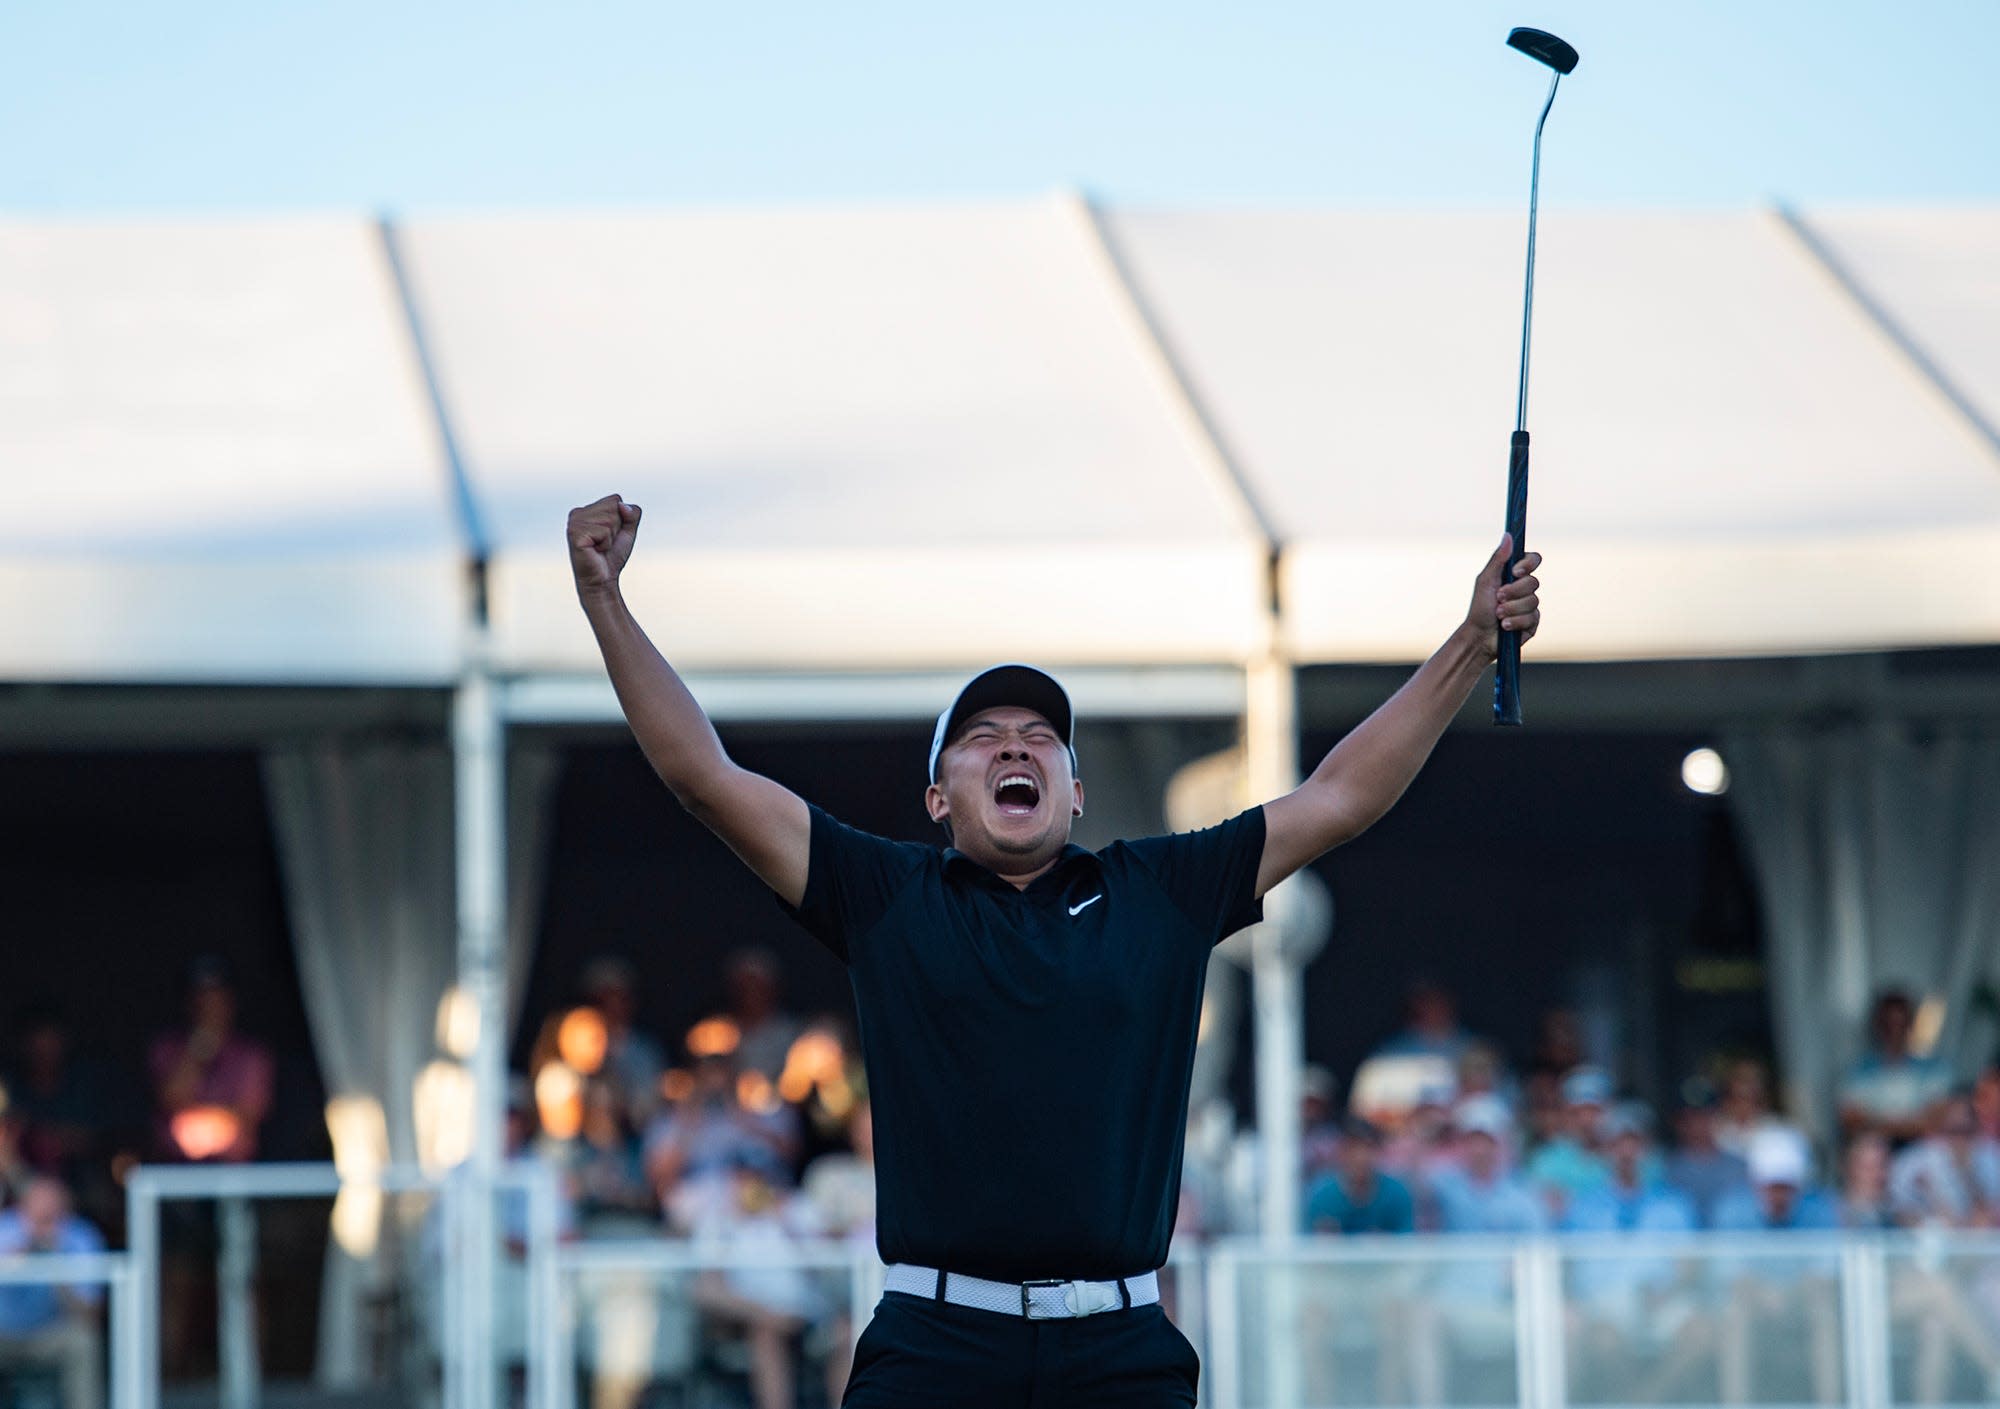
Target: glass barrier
(463, 1301)
(57, 1313)
(1939, 1293)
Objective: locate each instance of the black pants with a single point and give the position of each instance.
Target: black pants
(923, 1354)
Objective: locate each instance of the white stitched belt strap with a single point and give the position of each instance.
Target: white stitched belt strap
(1034, 1300)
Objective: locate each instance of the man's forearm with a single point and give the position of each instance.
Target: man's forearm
(1371, 767)
(672, 729)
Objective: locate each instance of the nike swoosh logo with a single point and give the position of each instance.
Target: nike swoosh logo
(1079, 909)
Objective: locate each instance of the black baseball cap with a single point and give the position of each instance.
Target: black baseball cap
(1019, 685)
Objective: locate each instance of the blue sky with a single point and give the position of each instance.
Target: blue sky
(414, 106)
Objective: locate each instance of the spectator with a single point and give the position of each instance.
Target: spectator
(698, 1141)
(1864, 1183)
(1986, 1100)
(211, 1084)
(1745, 1108)
(607, 1174)
(1422, 1143)
(1319, 1131)
(1781, 1195)
(739, 1217)
(1558, 1043)
(1431, 1027)
(1628, 1308)
(15, 1171)
(1890, 1089)
(633, 1061)
(1699, 1167)
(1480, 1196)
(1481, 1072)
(1950, 1178)
(1468, 1310)
(45, 1324)
(1543, 1107)
(1356, 1197)
(1635, 1197)
(62, 1102)
(765, 1032)
(840, 1188)
(1570, 1164)
(1773, 1299)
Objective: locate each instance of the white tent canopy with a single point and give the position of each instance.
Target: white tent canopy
(911, 440)
(219, 464)
(864, 440)
(1709, 404)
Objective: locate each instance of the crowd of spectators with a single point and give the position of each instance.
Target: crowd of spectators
(754, 1132)
(1458, 1145)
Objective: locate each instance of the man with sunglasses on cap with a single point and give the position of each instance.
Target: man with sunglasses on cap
(1027, 1008)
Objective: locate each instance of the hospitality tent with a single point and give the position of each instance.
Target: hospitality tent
(302, 470)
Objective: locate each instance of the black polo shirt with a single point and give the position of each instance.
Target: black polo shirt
(1029, 1051)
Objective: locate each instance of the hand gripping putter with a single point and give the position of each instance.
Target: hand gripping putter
(1543, 48)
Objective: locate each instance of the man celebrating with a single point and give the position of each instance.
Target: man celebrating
(1027, 1008)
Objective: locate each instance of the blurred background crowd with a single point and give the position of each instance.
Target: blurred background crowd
(751, 1129)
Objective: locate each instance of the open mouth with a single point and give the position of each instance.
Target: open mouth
(1017, 795)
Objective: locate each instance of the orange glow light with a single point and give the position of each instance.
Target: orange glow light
(754, 1093)
(713, 1037)
(582, 1040)
(677, 1084)
(203, 1132)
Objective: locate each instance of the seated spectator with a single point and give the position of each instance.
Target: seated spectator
(772, 1304)
(1558, 1049)
(1481, 1072)
(1698, 1166)
(1356, 1197)
(1951, 1177)
(1431, 1027)
(52, 1325)
(15, 1171)
(1570, 1164)
(1777, 1303)
(1635, 1197)
(1319, 1131)
(701, 1138)
(840, 1187)
(633, 1061)
(1421, 1141)
(1628, 1308)
(1890, 1089)
(1744, 1109)
(1467, 1310)
(766, 1031)
(1480, 1195)
(1986, 1100)
(211, 1084)
(1781, 1195)
(607, 1176)
(1864, 1183)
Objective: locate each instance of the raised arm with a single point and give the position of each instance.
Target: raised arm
(764, 823)
(1369, 769)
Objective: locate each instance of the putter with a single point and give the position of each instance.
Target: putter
(1542, 47)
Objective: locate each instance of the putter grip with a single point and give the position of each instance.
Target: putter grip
(1507, 673)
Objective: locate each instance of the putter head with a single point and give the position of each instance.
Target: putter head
(1543, 47)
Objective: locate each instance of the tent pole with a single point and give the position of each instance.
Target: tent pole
(479, 763)
(1271, 748)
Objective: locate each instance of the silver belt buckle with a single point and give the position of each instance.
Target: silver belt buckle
(1028, 1305)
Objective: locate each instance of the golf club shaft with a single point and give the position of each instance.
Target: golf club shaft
(1507, 673)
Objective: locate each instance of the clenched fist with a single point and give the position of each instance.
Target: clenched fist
(600, 542)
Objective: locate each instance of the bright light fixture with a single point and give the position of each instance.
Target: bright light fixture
(1704, 772)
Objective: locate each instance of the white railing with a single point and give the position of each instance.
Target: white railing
(1866, 1321)
(111, 1271)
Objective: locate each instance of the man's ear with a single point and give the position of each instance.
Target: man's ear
(935, 804)
(1076, 804)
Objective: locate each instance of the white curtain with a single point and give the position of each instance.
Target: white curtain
(1876, 846)
(365, 841)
